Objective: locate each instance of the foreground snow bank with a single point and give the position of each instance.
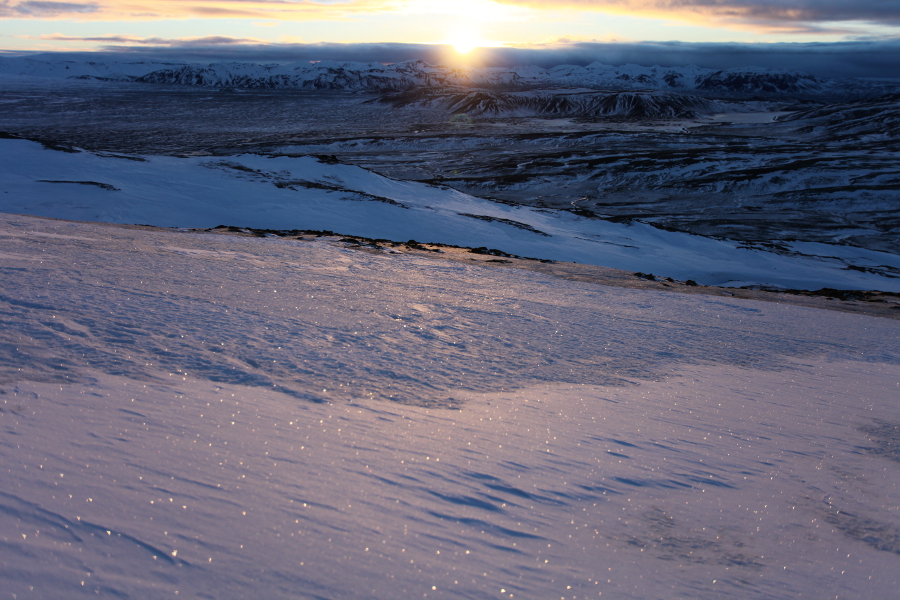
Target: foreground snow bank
(307, 193)
(200, 416)
(687, 488)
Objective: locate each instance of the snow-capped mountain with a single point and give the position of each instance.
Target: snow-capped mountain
(689, 78)
(758, 81)
(62, 68)
(418, 74)
(377, 77)
(320, 76)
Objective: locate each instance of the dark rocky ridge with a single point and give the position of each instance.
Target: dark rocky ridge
(585, 104)
(876, 116)
(758, 81)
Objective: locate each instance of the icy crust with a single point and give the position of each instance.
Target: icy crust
(322, 194)
(200, 414)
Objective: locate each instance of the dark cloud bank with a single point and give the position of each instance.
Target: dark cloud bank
(771, 13)
(863, 58)
(41, 9)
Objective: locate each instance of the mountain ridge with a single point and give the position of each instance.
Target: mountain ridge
(579, 103)
(396, 77)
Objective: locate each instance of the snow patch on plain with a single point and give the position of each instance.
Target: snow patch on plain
(308, 193)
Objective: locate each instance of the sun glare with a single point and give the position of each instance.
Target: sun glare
(464, 46)
(466, 41)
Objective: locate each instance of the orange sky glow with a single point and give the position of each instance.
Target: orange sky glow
(464, 24)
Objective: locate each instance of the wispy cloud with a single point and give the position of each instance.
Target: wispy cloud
(156, 42)
(278, 10)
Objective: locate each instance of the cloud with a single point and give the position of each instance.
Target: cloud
(862, 58)
(203, 42)
(841, 17)
(278, 10)
(770, 15)
(34, 8)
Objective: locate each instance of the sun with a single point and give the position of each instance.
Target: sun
(464, 41)
(464, 46)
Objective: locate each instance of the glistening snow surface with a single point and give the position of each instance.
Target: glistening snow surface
(202, 416)
(305, 193)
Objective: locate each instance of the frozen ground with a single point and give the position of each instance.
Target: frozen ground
(207, 416)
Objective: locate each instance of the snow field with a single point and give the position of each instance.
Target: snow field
(695, 487)
(304, 193)
(212, 416)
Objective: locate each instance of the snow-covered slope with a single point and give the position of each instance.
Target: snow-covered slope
(315, 194)
(202, 416)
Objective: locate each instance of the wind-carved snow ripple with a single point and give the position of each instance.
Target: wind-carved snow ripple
(294, 317)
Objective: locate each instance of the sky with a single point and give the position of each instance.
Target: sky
(382, 30)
